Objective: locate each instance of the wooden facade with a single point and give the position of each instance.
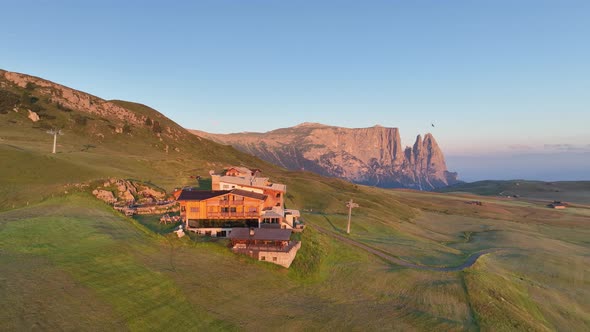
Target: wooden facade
(221, 208)
(238, 195)
(228, 206)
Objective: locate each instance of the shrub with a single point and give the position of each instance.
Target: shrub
(80, 120)
(7, 101)
(157, 128)
(126, 129)
(63, 108)
(46, 116)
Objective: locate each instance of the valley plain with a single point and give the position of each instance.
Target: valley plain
(70, 262)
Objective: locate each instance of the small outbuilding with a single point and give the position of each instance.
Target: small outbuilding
(557, 205)
(265, 244)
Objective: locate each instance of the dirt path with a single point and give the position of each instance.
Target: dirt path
(395, 260)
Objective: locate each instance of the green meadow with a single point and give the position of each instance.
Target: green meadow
(70, 262)
(567, 191)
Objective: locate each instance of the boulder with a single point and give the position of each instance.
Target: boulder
(104, 195)
(33, 116)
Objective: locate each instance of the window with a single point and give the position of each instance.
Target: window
(274, 259)
(194, 209)
(262, 258)
(252, 209)
(278, 204)
(224, 209)
(278, 195)
(232, 209)
(226, 186)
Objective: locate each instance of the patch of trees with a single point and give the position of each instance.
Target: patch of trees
(31, 102)
(154, 124)
(7, 101)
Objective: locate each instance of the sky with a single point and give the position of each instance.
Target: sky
(500, 80)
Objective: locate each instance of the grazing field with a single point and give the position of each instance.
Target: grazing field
(568, 191)
(70, 262)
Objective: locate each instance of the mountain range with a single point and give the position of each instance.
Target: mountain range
(372, 156)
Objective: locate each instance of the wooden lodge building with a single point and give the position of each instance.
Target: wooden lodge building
(215, 212)
(239, 199)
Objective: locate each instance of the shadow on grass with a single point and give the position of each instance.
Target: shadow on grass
(152, 222)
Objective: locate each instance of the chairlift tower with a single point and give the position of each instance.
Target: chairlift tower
(350, 206)
(54, 132)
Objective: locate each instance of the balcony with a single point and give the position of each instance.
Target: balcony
(218, 215)
(216, 223)
(225, 203)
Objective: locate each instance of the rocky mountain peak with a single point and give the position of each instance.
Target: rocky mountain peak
(372, 156)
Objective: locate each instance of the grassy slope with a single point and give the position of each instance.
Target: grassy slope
(55, 244)
(80, 265)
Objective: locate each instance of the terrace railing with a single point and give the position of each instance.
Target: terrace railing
(268, 247)
(232, 215)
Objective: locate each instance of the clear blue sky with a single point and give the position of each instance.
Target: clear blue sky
(502, 75)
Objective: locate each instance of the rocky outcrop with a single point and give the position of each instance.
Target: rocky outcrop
(33, 116)
(133, 197)
(128, 192)
(74, 99)
(53, 105)
(372, 156)
(104, 195)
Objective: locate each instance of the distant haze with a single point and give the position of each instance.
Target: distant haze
(564, 166)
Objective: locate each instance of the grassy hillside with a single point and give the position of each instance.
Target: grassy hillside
(69, 262)
(569, 191)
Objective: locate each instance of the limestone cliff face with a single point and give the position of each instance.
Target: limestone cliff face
(372, 156)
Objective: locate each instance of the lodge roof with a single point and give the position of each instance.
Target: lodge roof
(200, 195)
(269, 234)
(262, 183)
(271, 214)
(558, 203)
(250, 194)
